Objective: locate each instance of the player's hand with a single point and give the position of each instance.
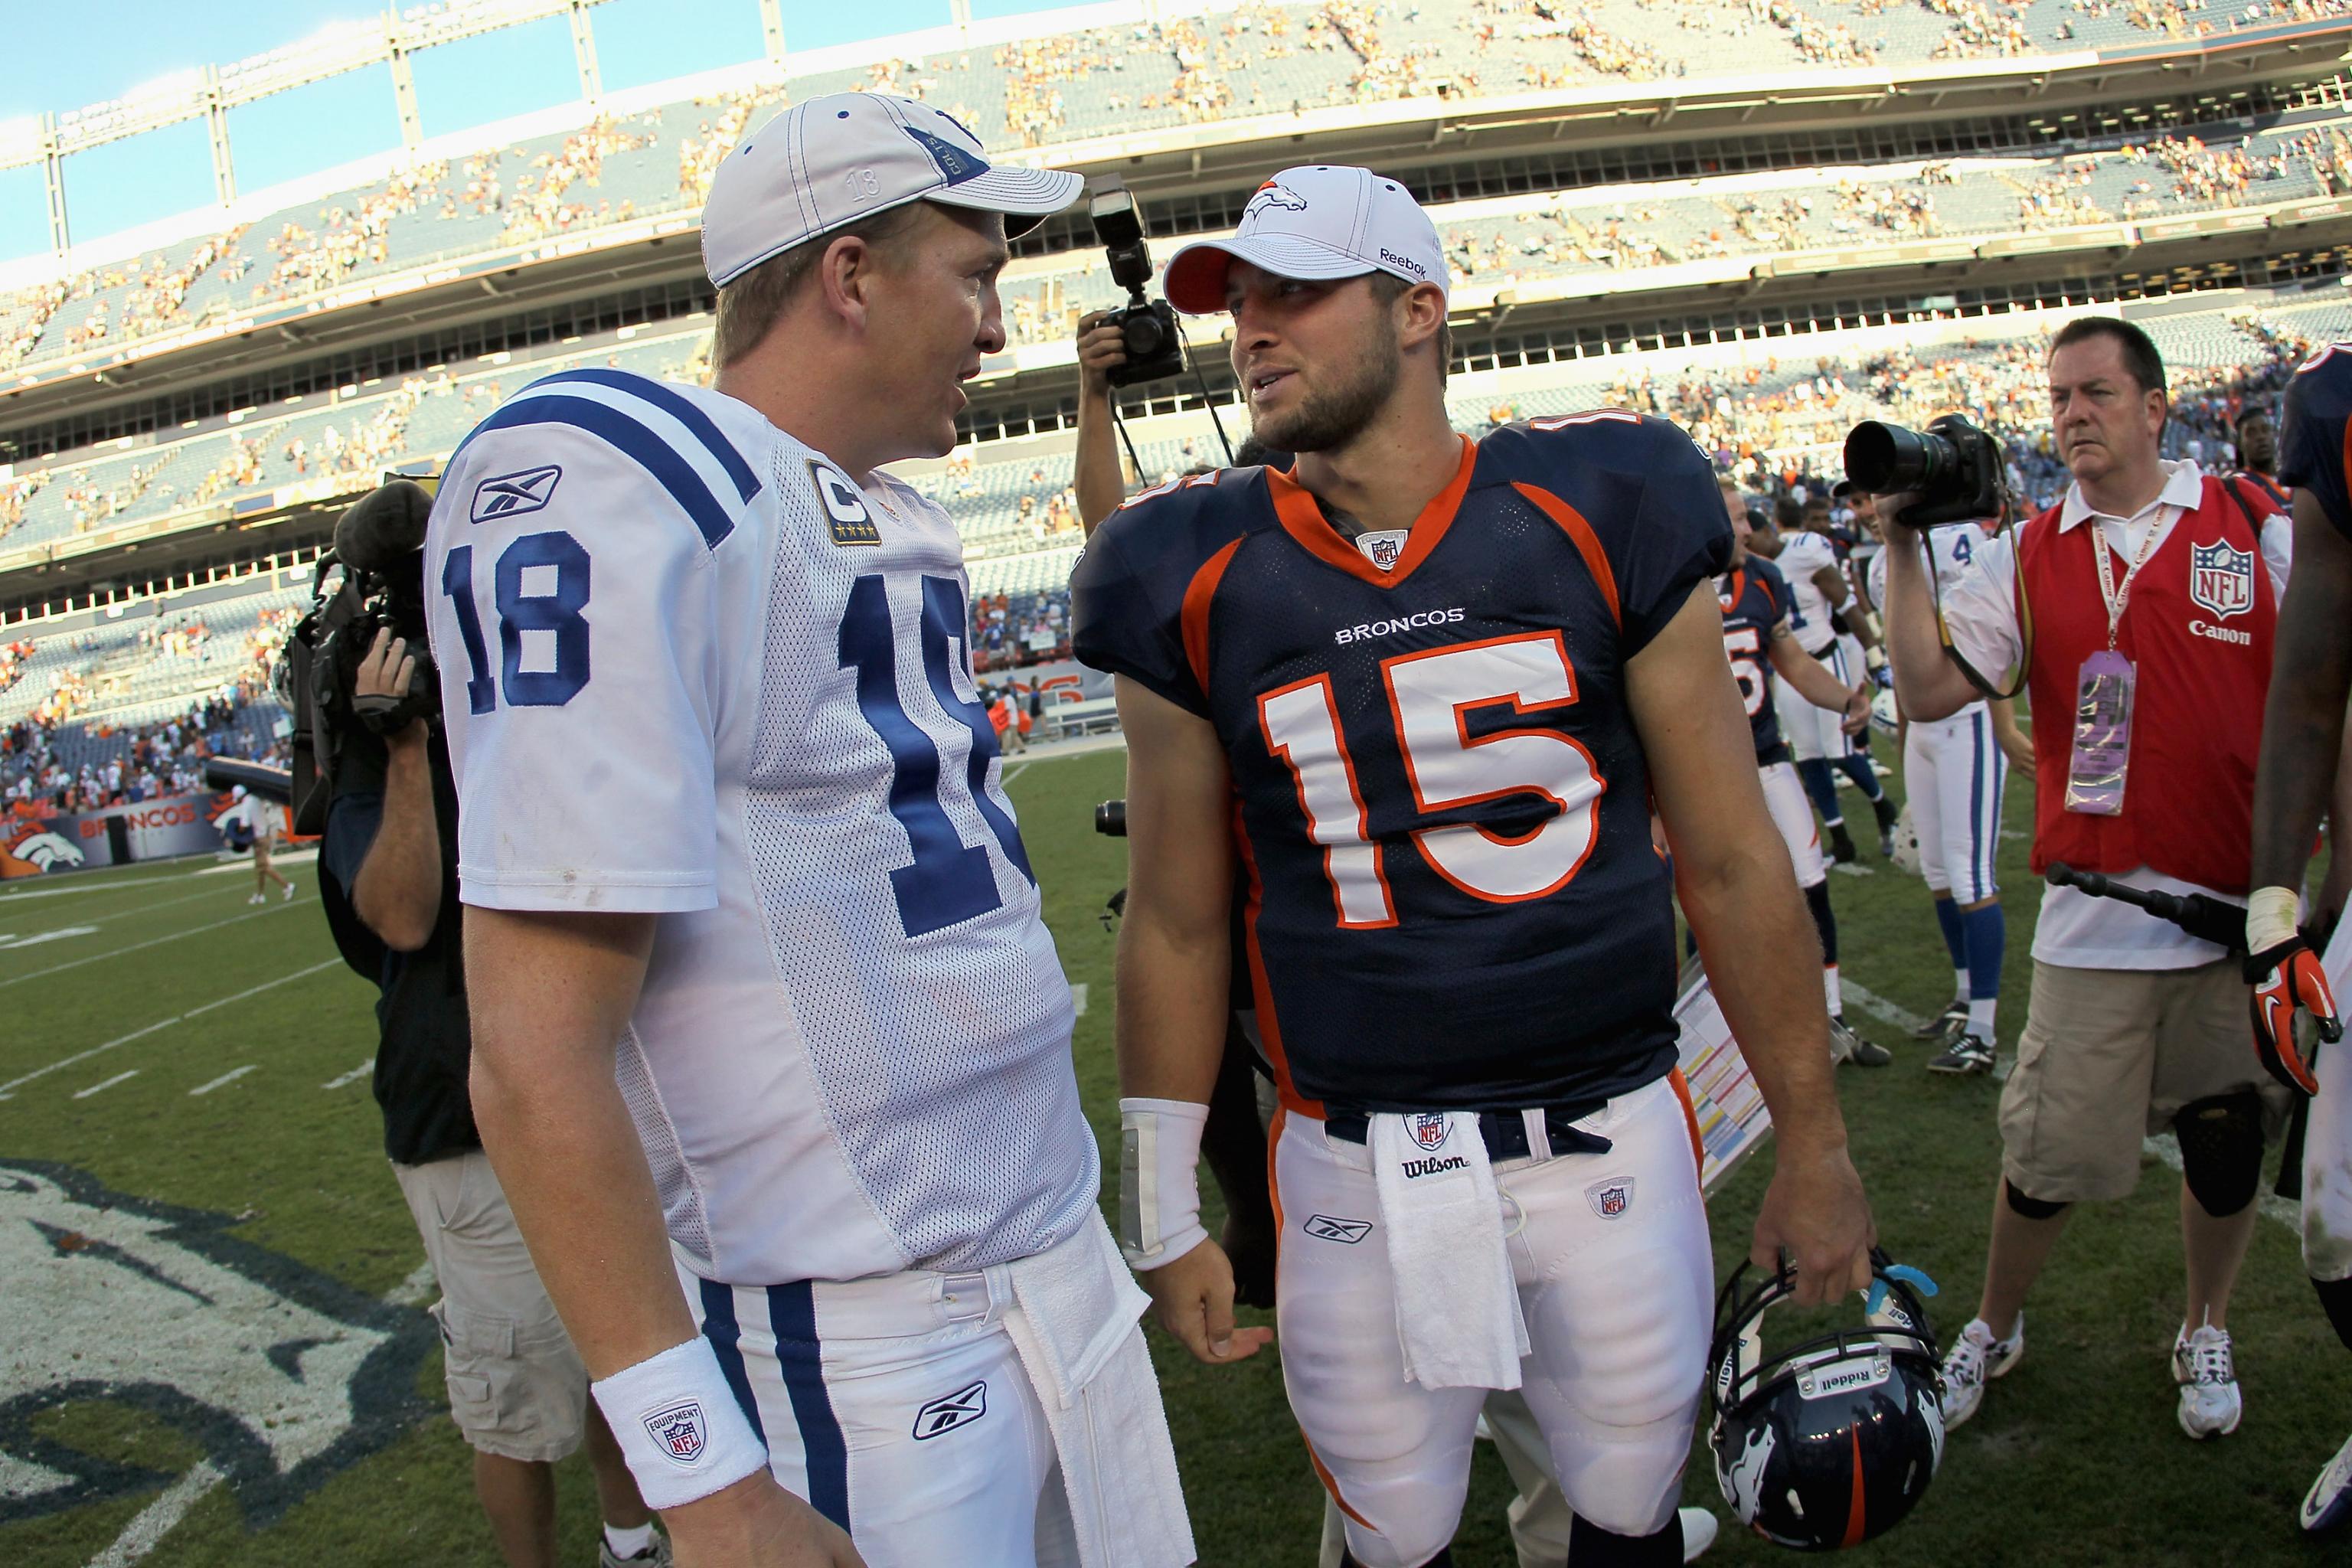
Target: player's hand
(1815, 1211)
(1857, 711)
(1101, 349)
(756, 1524)
(384, 673)
(2288, 975)
(1193, 1298)
(2019, 748)
(1889, 509)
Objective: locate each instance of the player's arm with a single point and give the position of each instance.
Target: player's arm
(1098, 481)
(1814, 681)
(1839, 591)
(1175, 958)
(1928, 684)
(1738, 891)
(2013, 741)
(2303, 736)
(398, 893)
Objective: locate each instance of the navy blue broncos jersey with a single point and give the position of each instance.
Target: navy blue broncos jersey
(2315, 439)
(1755, 599)
(1441, 807)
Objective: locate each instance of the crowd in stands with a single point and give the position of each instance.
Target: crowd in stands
(1010, 631)
(144, 762)
(12, 662)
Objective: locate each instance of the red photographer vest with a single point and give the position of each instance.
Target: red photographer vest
(2197, 626)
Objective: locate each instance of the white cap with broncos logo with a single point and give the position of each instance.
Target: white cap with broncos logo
(1316, 221)
(830, 161)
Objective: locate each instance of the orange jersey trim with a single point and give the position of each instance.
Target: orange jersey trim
(1193, 616)
(1303, 520)
(1587, 543)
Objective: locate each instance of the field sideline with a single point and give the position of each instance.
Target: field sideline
(199, 1057)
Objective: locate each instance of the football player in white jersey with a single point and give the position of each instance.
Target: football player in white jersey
(1954, 772)
(771, 1048)
(1808, 559)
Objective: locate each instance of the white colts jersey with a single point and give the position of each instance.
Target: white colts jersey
(1948, 553)
(1801, 556)
(691, 669)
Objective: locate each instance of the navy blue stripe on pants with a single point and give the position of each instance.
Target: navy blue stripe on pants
(725, 1333)
(1979, 867)
(791, 1311)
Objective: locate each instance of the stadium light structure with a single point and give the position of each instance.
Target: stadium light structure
(210, 92)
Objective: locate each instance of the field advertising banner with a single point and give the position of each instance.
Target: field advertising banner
(48, 842)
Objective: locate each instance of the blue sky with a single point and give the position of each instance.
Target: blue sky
(64, 57)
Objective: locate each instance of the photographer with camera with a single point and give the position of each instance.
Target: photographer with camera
(2145, 642)
(518, 1389)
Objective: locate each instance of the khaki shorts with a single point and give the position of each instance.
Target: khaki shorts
(2108, 1057)
(516, 1388)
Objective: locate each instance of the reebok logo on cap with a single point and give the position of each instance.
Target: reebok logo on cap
(1316, 221)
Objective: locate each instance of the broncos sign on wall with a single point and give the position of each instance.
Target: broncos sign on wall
(280, 1374)
(151, 830)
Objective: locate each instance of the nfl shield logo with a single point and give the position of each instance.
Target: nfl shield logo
(2222, 579)
(1429, 1129)
(1610, 1199)
(1384, 553)
(677, 1430)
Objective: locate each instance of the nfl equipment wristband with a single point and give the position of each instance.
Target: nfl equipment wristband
(2269, 917)
(679, 1425)
(1159, 1179)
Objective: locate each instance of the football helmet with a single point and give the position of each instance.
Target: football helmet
(1830, 1442)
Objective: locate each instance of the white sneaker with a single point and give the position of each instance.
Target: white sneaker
(289, 894)
(1975, 1357)
(2328, 1504)
(2210, 1402)
(258, 898)
(1698, 1532)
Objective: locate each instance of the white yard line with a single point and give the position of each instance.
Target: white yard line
(136, 946)
(7, 1089)
(1014, 771)
(353, 1076)
(154, 1521)
(1880, 1007)
(287, 858)
(110, 1083)
(225, 1080)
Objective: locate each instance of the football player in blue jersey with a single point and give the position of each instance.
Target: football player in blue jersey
(771, 1045)
(1759, 638)
(2304, 735)
(1426, 689)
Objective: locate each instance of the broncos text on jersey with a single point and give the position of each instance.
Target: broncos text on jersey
(1755, 600)
(2315, 438)
(690, 669)
(1441, 805)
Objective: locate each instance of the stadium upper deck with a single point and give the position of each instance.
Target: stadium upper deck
(1180, 103)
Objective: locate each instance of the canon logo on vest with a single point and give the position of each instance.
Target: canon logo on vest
(2221, 634)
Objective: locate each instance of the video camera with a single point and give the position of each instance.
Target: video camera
(1155, 347)
(380, 548)
(1953, 468)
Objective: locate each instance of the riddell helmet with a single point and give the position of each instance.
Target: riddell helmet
(1828, 1443)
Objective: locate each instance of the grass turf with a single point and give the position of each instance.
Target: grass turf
(2076, 1460)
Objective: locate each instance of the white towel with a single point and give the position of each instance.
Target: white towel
(1074, 1322)
(1457, 1305)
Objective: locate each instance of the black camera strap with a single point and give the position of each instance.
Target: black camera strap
(2024, 619)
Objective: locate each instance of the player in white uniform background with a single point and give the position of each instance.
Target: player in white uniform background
(733, 834)
(1954, 773)
(1809, 559)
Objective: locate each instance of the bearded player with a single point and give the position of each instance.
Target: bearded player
(1425, 688)
(1759, 638)
(2303, 739)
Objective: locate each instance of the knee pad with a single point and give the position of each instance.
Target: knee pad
(2335, 1297)
(1589, 1546)
(2222, 1150)
(2032, 1208)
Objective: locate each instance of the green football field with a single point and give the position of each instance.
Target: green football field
(227, 1363)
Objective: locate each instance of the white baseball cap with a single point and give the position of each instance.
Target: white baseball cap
(1319, 220)
(847, 156)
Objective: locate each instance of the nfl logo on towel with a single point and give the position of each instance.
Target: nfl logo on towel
(2222, 579)
(1610, 1199)
(1429, 1129)
(679, 1430)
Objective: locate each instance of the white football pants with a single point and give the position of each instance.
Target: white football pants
(1792, 813)
(1954, 770)
(1813, 731)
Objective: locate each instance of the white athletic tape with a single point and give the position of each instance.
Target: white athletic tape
(1159, 1179)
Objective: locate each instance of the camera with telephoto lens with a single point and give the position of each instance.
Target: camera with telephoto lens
(1155, 349)
(379, 549)
(1954, 469)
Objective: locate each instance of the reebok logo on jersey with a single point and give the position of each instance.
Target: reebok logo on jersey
(1346, 634)
(511, 495)
(1416, 1169)
(679, 1430)
(949, 1410)
(1346, 1232)
(844, 505)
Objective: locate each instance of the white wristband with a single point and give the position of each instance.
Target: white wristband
(2270, 917)
(679, 1425)
(1159, 1179)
